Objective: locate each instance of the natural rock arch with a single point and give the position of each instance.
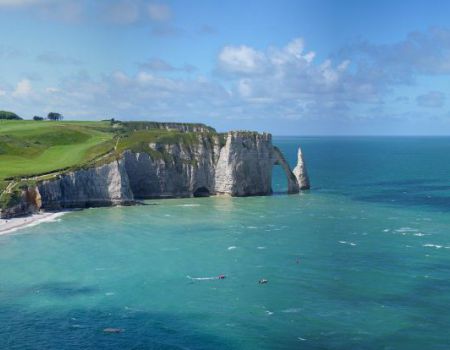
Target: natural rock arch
(279, 159)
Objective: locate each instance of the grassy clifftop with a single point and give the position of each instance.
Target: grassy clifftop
(31, 148)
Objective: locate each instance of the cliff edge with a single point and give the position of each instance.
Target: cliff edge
(204, 163)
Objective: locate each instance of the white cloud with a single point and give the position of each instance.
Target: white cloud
(241, 59)
(280, 82)
(286, 82)
(23, 88)
(2, 92)
(287, 74)
(159, 12)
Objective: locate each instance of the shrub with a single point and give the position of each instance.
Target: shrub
(9, 115)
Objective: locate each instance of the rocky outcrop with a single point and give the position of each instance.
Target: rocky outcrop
(300, 172)
(27, 203)
(101, 186)
(178, 170)
(238, 165)
(245, 164)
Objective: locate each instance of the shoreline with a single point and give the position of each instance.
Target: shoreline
(15, 224)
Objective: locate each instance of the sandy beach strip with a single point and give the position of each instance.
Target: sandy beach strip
(12, 225)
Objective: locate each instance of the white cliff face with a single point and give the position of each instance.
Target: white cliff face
(242, 167)
(300, 172)
(245, 164)
(181, 170)
(101, 186)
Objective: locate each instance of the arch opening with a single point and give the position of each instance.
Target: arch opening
(202, 192)
(279, 180)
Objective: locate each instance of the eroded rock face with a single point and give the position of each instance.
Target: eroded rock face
(183, 169)
(101, 186)
(301, 173)
(29, 203)
(241, 167)
(245, 164)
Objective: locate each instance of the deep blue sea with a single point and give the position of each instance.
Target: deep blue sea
(362, 261)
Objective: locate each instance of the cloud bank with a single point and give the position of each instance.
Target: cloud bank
(287, 82)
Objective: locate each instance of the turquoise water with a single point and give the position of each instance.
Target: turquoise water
(362, 261)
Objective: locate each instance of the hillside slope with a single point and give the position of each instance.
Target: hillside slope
(29, 148)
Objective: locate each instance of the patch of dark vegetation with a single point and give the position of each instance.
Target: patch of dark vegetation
(184, 127)
(9, 115)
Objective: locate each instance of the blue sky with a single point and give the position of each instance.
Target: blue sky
(288, 67)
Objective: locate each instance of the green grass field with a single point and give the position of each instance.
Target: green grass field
(31, 148)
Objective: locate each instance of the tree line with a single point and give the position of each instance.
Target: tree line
(50, 116)
(13, 116)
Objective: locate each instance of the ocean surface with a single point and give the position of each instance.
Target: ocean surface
(362, 261)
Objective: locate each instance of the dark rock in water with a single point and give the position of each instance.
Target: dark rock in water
(113, 330)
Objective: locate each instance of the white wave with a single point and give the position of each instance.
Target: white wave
(406, 230)
(109, 294)
(12, 225)
(348, 243)
(232, 247)
(260, 247)
(293, 310)
(437, 246)
(188, 205)
(252, 227)
(205, 278)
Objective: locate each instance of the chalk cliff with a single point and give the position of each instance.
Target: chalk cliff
(185, 169)
(245, 165)
(236, 164)
(300, 172)
(94, 187)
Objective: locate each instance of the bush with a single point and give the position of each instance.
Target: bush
(9, 115)
(36, 117)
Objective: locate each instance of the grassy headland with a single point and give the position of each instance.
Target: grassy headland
(31, 148)
(37, 150)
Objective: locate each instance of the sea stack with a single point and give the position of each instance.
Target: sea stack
(300, 172)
